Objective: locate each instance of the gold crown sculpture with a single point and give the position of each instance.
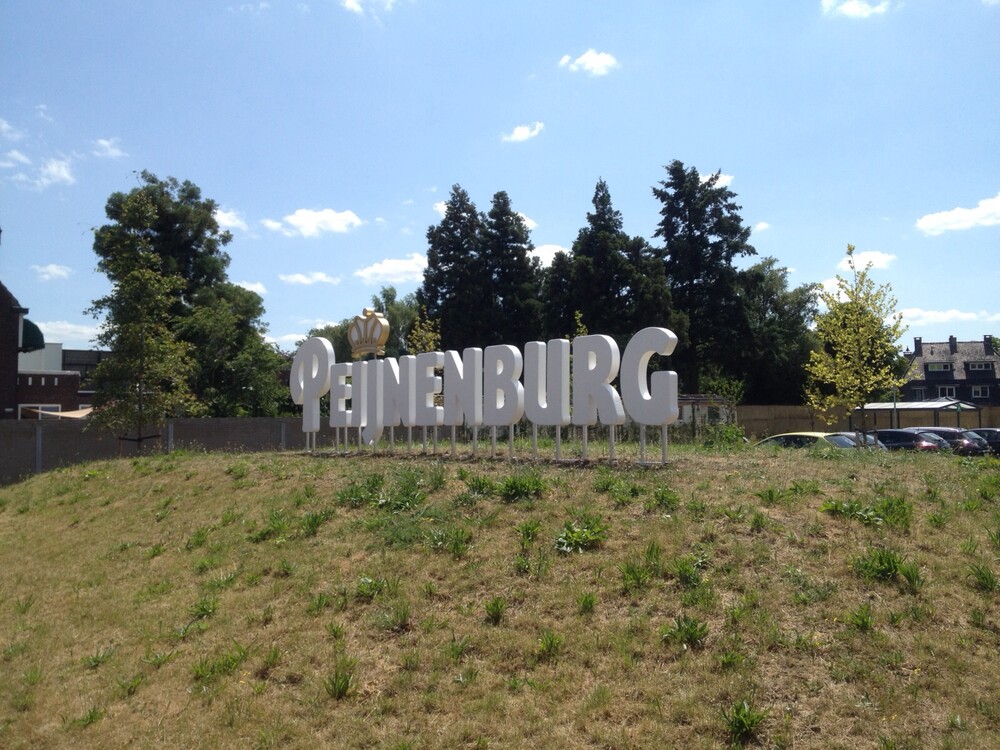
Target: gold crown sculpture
(368, 334)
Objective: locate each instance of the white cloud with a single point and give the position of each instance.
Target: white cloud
(251, 7)
(725, 180)
(991, 2)
(854, 8)
(53, 172)
(52, 271)
(253, 286)
(394, 270)
(371, 6)
(874, 258)
(13, 158)
(523, 133)
(309, 223)
(9, 132)
(70, 335)
(289, 339)
(985, 214)
(107, 148)
(42, 111)
(592, 62)
(916, 317)
(230, 220)
(56, 171)
(441, 207)
(528, 222)
(313, 277)
(761, 226)
(545, 253)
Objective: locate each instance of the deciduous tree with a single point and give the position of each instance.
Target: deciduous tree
(234, 371)
(147, 378)
(858, 355)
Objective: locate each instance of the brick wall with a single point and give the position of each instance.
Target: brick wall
(10, 331)
(62, 388)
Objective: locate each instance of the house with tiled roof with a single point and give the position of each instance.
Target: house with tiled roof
(964, 370)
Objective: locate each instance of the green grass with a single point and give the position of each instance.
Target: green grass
(729, 599)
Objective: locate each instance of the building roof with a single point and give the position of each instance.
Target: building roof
(957, 353)
(934, 404)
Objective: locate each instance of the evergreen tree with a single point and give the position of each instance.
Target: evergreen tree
(702, 233)
(452, 291)
(601, 271)
(557, 291)
(510, 275)
(615, 283)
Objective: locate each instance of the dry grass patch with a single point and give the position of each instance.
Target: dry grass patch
(745, 598)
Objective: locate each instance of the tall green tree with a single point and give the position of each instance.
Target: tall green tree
(779, 338)
(602, 274)
(233, 368)
(402, 313)
(147, 378)
(185, 235)
(858, 356)
(617, 282)
(511, 274)
(452, 290)
(557, 291)
(702, 234)
(234, 371)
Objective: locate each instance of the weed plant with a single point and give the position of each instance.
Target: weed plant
(815, 583)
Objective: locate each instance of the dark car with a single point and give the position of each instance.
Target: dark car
(808, 439)
(865, 440)
(908, 440)
(992, 437)
(962, 442)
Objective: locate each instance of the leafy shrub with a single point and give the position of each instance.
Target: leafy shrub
(584, 532)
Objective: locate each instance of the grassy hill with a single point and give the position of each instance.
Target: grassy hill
(766, 599)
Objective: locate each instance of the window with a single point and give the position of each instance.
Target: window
(946, 391)
(980, 391)
(939, 367)
(981, 366)
(919, 394)
(34, 411)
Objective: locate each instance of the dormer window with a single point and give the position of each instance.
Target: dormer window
(980, 366)
(939, 367)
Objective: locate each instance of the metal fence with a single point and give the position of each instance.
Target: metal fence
(30, 447)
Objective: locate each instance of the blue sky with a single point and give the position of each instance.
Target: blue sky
(329, 132)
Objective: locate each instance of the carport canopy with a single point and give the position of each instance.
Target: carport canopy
(934, 406)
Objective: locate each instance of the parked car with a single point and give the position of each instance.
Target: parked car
(962, 442)
(908, 440)
(865, 440)
(992, 437)
(807, 439)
